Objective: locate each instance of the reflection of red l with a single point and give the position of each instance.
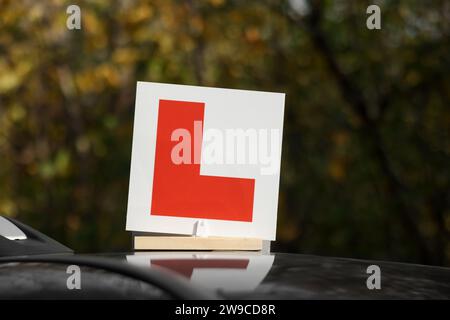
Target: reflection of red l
(186, 267)
(180, 190)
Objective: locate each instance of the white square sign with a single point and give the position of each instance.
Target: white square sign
(205, 155)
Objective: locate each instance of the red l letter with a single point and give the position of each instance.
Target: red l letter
(180, 190)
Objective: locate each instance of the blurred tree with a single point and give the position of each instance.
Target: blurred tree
(365, 169)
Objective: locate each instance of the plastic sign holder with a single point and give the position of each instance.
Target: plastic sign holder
(194, 243)
(200, 240)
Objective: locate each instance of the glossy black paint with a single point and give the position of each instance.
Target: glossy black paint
(237, 275)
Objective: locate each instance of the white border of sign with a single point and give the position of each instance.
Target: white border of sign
(224, 109)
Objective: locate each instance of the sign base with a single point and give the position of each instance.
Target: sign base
(194, 243)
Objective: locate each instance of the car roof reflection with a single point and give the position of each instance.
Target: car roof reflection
(224, 271)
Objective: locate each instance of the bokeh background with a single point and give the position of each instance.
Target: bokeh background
(365, 168)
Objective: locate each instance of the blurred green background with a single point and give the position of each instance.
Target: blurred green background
(365, 168)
